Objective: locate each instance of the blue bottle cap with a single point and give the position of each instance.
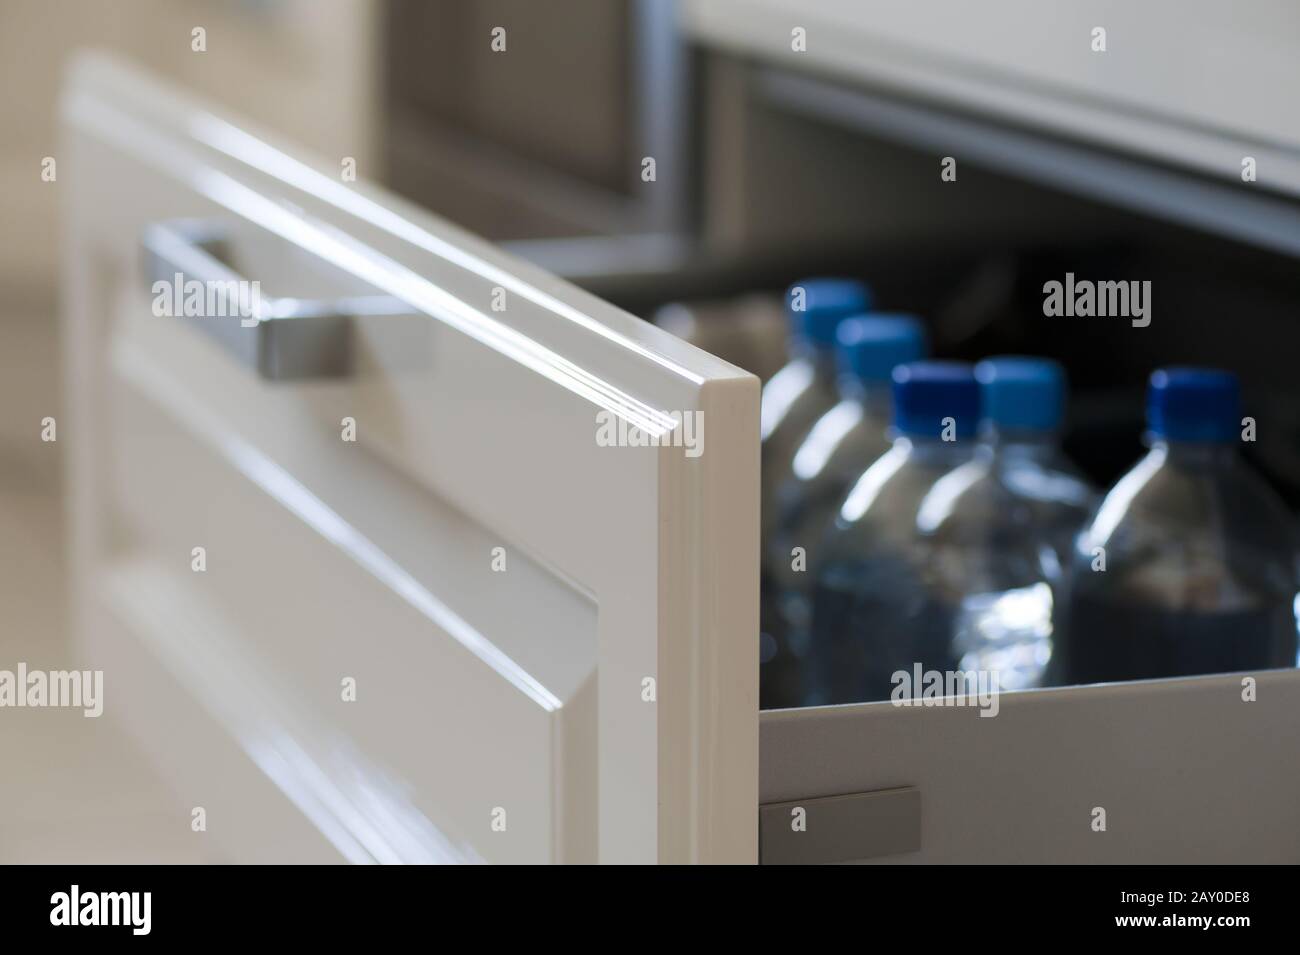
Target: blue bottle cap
(1021, 394)
(817, 306)
(1194, 404)
(927, 393)
(870, 347)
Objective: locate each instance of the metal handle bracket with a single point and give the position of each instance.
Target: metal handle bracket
(281, 338)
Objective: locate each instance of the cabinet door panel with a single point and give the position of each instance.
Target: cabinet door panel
(435, 613)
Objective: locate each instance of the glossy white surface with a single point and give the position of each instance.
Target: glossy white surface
(476, 690)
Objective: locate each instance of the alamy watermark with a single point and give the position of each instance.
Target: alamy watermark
(235, 298)
(919, 687)
(131, 910)
(80, 689)
(1086, 298)
(684, 430)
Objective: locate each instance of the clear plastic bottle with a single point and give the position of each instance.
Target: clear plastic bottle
(1023, 403)
(920, 567)
(1189, 565)
(838, 447)
(805, 388)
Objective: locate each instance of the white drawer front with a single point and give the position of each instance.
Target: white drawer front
(551, 639)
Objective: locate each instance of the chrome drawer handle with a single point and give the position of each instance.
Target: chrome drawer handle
(281, 338)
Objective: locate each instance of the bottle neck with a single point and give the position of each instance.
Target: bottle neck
(1199, 455)
(875, 396)
(1036, 446)
(934, 451)
(821, 358)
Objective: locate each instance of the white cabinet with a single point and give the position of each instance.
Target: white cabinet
(1192, 83)
(368, 582)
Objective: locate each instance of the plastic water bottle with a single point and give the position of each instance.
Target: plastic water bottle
(933, 563)
(805, 388)
(838, 447)
(907, 549)
(1189, 565)
(1023, 405)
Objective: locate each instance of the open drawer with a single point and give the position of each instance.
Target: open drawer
(404, 550)
(367, 578)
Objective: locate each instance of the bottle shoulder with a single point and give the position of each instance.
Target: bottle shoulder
(1229, 500)
(889, 494)
(839, 446)
(1207, 537)
(793, 399)
(1050, 480)
(949, 524)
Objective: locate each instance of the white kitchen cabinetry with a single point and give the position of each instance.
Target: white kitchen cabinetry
(592, 698)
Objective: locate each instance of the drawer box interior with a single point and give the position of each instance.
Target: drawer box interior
(1108, 773)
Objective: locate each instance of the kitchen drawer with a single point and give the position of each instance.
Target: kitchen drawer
(550, 640)
(436, 617)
